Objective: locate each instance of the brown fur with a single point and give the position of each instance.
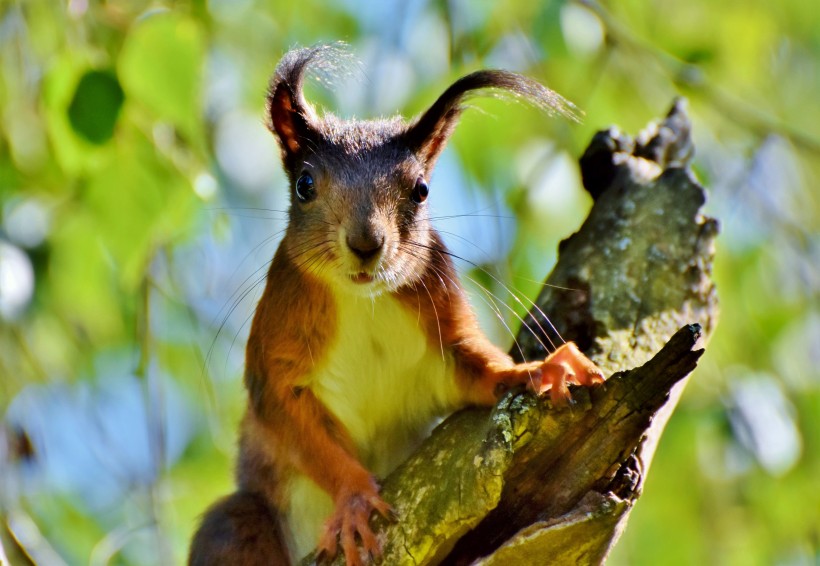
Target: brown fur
(239, 530)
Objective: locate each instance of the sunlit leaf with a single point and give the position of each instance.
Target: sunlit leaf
(161, 68)
(139, 202)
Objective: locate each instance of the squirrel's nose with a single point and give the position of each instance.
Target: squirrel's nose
(365, 246)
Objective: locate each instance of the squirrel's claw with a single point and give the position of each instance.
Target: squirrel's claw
(351, 519)
(564, 366)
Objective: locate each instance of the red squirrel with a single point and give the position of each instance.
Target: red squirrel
(363, 334)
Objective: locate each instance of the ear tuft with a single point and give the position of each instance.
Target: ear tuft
(290, 116)
(428, 134)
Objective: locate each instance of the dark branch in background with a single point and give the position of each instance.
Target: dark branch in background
(529, 484)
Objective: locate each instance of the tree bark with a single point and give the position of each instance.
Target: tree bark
(527, 483)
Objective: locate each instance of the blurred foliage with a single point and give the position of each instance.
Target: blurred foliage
(141, 199)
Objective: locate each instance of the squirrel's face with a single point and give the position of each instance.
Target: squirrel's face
(358, 216)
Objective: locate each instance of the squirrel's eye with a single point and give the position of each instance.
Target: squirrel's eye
(420, 191)
(305, 189)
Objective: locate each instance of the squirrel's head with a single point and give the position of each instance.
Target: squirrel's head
(359, 215)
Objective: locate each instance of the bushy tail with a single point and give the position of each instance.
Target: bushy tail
(240, 529)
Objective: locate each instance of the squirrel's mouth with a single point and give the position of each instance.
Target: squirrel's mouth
(361, 278)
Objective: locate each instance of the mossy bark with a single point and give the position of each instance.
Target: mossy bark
(527, 483)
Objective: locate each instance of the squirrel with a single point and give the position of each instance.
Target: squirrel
(363, 335)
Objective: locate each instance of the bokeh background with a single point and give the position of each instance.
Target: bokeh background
(141, 199)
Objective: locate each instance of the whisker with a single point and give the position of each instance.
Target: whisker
(462, 238)
(513, 291)
(515, 314)
(235, 300)
(471, 215)
(239, 331)
(244, 290)
(505, 287)
(246, 208)
(316, 261)
(236, 304)
(490, 303)
(435, 312)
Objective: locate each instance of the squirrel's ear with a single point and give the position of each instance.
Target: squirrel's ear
(427, 135)
(287, 120)
(290, 116)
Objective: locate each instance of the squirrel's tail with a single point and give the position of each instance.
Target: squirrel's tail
(240, 529)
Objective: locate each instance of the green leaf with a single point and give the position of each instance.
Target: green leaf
(96, 105)
(139, 202)
(161, 67)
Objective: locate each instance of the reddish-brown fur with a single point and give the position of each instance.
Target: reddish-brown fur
(287, 430)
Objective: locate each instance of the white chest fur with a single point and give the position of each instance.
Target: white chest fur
(382, 378)
(385, 383)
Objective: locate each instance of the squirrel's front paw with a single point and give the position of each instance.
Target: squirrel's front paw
(351, 518)
(567, 365)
